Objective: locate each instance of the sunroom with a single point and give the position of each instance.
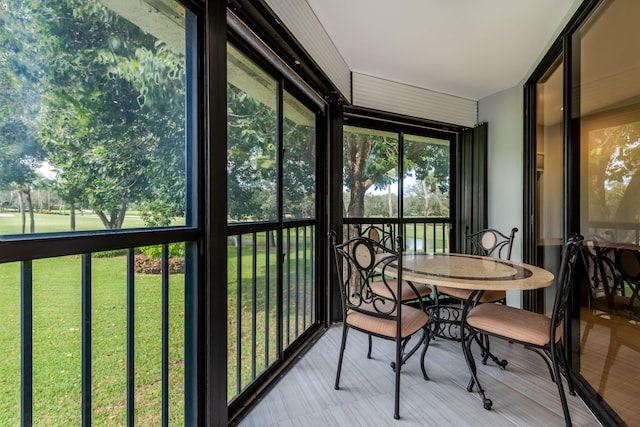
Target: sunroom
(170, 171)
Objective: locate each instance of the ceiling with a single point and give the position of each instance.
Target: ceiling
(466, 48)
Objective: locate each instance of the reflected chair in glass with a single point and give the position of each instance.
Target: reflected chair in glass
(613, 271)
(358, 260)
(537, 332)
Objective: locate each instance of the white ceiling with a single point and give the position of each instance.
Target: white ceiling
(466, 48)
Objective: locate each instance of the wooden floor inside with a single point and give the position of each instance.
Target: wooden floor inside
(522, 395)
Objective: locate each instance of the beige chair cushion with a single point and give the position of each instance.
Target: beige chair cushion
(407, 294)
(514, 323)
(412, 320)
(488, 296)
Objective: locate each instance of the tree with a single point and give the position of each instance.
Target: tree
(116, 139)
(614, 173)
(251, 157)
(20, 154)
(367, 159)
(372, 160)
(299, 177)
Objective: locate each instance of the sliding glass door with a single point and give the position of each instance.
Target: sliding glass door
(584, 145)
(272, 223)
(549, 229)
(606, 58)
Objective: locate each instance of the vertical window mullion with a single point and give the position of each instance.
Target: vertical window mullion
(288, 285)
(296, 246)
(304, 278)
(26, 322)
(86, 339)
(165, 335)
(238, 316)
(254, 306)
(280, 204)
(314, 291)
(130, 336)
(267, 296)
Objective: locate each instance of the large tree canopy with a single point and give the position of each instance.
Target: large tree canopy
(370, 160)
(108, 107)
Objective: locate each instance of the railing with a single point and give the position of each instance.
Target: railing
(98, 342)
(420, 235)
(265, 318)
(628, 232)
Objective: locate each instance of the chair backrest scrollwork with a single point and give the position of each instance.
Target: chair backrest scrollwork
(564, 281)
(489, 242)
(359, 261)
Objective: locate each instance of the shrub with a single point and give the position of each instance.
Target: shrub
(176, 250)
(109, 254)
(145, 265)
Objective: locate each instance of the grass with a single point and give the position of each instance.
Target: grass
(242, 370)
(57, 343)
(57, 331)
(11, 222)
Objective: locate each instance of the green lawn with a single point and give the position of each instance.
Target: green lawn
(57, 333)
(11, 222)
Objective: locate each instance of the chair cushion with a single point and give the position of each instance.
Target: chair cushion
(413, 319)
(407, 294)
(488, 296)
(512, 323)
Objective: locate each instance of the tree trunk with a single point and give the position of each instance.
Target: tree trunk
(115, 220)
(72, 217)
(357, 150)
(389, 201)
(444, 210)
(32, 226)
(601, 147)
(22, 214)
(629, 208)
(426, 198)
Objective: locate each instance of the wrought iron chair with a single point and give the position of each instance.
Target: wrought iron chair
(357, 261)
(382, 234)
(417, 293)
(486, 242)
(537, 332)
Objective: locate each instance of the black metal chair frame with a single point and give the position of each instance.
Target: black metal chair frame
(489, 242)
(553, 354)
(358, 261)
(486, 242)
(382, 234)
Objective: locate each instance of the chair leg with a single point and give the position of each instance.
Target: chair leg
(343, 344)
(545, 358)
(427, 339)
(565, 366)
(369, 350)
(396, 411)
(471, 364)
(483, 341)
(563, 398)
(406, 356)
